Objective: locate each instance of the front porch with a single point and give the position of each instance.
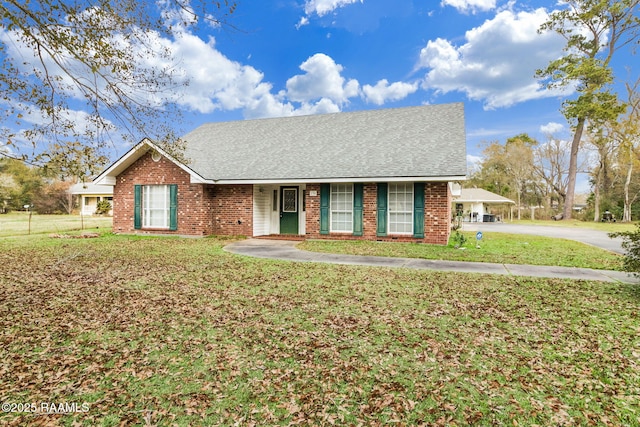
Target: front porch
(279, 211)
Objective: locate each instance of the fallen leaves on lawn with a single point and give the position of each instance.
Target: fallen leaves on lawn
(177, 332)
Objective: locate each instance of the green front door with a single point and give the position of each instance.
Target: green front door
(289, 210)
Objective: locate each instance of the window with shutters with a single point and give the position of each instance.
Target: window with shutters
(155, 206)
(341, 208)
(400, 208)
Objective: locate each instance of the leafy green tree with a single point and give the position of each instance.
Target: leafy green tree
(71, 161)
(491, 172)
(507, 169)
(551, 164)
(22, 184)
(518, 155)
(54, 198)
(603, 173)
(594, 30)
(627, 131)
(89, 75)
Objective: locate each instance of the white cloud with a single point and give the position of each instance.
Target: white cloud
(497, 63)
(214, 81)
(322, 79)
(206, 80)
(471, 6)
(473, 163)
(551, 128)
(303, 21)
(324, 7)
(383, 91)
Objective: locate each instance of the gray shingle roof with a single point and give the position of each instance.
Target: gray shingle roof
(427, 141)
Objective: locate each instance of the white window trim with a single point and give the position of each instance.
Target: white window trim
(146, 216)
(331, 210)
(400, 233)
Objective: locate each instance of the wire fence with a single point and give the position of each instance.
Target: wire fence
(22, 223)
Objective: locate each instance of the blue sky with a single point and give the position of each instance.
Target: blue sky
(318, 56)
(292, 57)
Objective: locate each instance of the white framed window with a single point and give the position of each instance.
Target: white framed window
(341, 208)
(155, 206)
(401, 208)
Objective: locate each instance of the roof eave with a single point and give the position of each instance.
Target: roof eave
(447, 178)
(108, 176)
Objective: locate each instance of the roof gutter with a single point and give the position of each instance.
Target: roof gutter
(337, 180)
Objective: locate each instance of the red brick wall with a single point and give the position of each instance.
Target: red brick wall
(233, 210)
(228, 209)
(194, 200)
(437, 215)
(312, 226)
(369, 211)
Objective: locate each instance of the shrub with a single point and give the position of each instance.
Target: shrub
(103, 207)
(458, 239)
(631, 243)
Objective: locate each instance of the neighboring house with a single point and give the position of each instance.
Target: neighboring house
(90, 194)
(377, 175)
(478, 205)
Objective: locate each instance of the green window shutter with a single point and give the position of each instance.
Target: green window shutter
(357, 209)
(418, 209)
(137, 207)
(381, 229)
(325, 194)
(173, 207)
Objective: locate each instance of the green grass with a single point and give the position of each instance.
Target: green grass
(17, 223)
(168, 331)
(609, 227)
(501, 248)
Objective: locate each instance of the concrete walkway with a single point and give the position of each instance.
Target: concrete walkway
(287, 251)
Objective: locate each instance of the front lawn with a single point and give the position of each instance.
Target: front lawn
(170, 331)
(609, 227)
(502, 248)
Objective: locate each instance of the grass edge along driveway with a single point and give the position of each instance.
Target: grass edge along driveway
(502, 248)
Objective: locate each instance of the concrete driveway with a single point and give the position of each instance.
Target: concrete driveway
(287, 251)
(596, 238)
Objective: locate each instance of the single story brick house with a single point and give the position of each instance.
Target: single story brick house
(376, 175)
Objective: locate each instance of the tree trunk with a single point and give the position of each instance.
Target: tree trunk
(573, 170)
(596, 193)
(596, 204)
(626, 213)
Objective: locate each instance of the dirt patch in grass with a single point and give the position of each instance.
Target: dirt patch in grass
(173, 331)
